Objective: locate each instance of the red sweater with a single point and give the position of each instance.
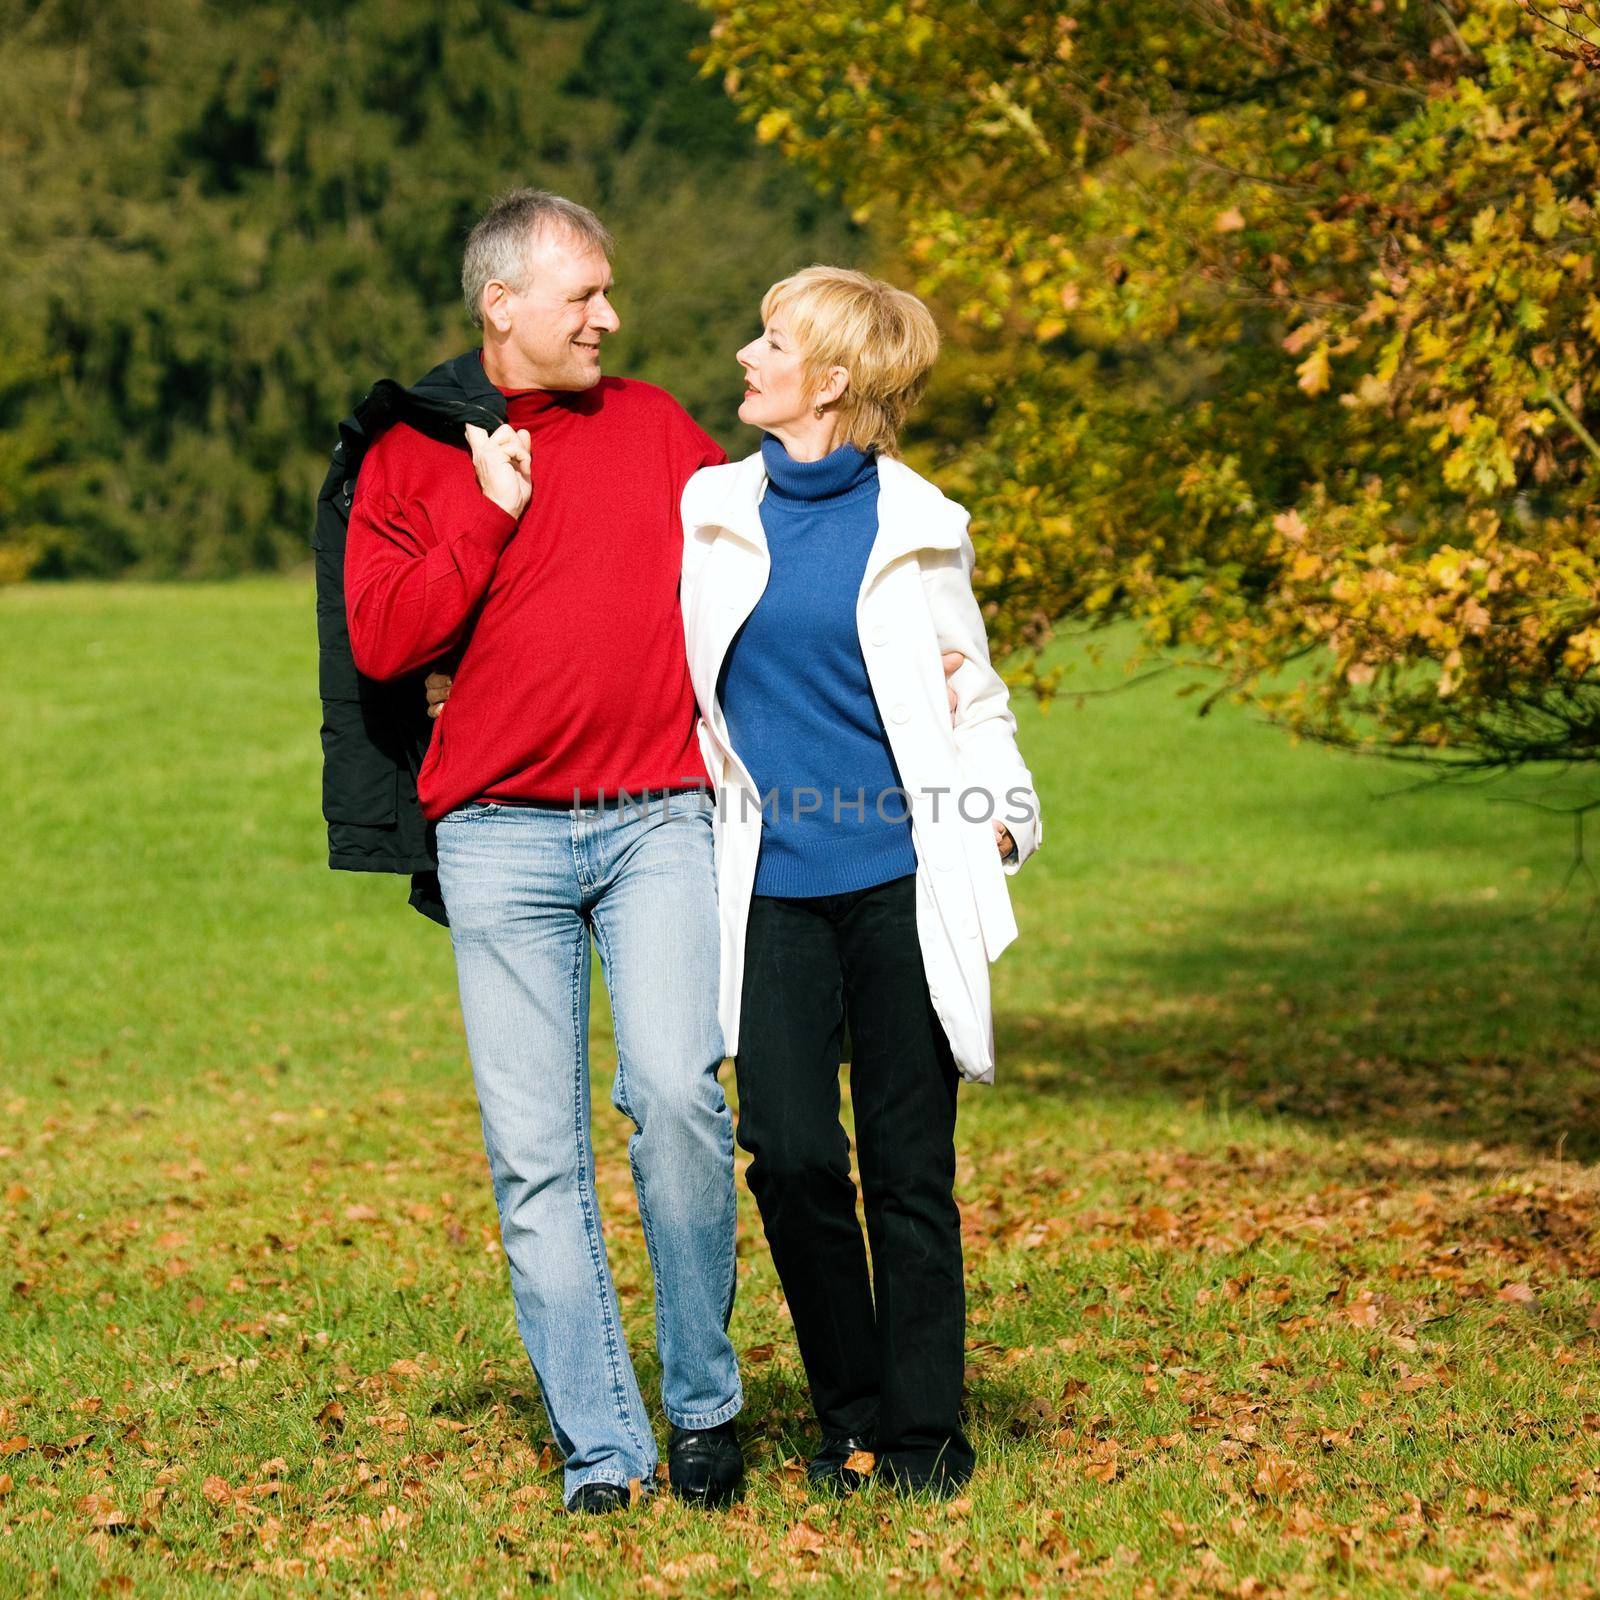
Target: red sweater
(562, 628)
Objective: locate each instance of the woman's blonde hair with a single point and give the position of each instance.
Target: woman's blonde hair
(883, 337)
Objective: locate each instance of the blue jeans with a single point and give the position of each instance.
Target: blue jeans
(524, 886)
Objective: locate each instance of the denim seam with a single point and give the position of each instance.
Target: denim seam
(586, 1201)
(623, 1101)
(624, 1104)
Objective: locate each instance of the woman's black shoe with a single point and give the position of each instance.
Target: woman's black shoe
(705, 1464)
(598, 1498)
(843, 1464)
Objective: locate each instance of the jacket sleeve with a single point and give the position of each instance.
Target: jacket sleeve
(985, 727)
(409, 590)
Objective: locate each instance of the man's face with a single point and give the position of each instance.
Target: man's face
(557, 321)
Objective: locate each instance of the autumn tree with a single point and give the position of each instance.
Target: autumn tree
(1293, 320)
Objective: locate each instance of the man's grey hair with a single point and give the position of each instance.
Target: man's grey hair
(497, 247)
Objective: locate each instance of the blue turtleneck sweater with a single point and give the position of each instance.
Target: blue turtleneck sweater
(795, 692)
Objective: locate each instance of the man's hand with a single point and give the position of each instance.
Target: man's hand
(438, 686)
(503, 461)
(1002, 837)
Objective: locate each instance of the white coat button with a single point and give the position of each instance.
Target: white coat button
(900, 714)
(880, 634)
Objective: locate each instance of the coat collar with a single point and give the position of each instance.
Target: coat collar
(912, 514)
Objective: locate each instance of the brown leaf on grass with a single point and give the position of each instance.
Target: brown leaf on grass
(1345, 1541)
(689, 1566)
(805, 1540)
(1517, 1293)
(331, 1417)
(67, 1447)
(860, 1461)
(1103, 1463)
(6, 1484)
(14, 1446)
(360, 1213)
(757, 1354)
(104, 1513)
(217, 1491)
(1153, 1220)
(1277, 1475)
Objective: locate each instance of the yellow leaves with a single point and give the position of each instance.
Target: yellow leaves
(1582, 653)
(1431, 346)
(1299, 338)
(1313, 373)
(772, 125)
(1290, 525)
(1048, 328)
(1449, 675)
(1370, 392)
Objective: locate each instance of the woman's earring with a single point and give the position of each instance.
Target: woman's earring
(816, 411)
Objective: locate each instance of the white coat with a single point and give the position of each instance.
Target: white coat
(915, 601)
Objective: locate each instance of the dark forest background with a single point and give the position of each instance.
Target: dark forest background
(220, 223)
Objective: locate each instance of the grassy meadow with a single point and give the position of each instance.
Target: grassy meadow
(1281, 1219)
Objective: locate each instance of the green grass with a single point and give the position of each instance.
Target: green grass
(1281, 1220)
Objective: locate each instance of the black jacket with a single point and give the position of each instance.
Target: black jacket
(374, 735)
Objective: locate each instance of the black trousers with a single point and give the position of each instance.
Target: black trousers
(883, 1354)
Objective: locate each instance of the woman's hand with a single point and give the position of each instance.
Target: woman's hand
(951, 661)
(503, 461)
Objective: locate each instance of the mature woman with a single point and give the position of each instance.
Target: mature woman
(862, 844)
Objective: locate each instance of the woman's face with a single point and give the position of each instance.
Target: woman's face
(774, 392)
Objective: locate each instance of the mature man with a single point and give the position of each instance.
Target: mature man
(545, 569)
